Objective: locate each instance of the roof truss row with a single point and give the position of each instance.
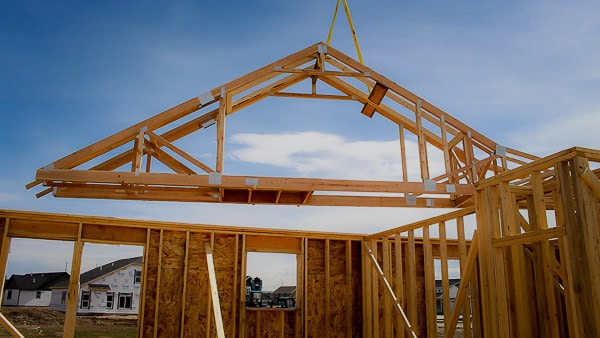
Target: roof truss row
(142, 162)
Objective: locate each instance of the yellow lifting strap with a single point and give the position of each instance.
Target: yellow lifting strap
(347, 9)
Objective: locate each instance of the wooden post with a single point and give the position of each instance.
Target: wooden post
(581, 221)
(158, 275)
(367, 296)
(399, 281)
(387, 301)
(543, 249)
(242, 302)
(462, 249)
(511, 225)
(422, 141)
(185, 275)
(431, 311)
(403, 152)
(73, 297)
(4, 251)
(411, 277)
(446, 149)
(327, 290)
(224, 109)
(235, 289)
(445, 278)
(374, 292)
(348, 291)
(141, 315)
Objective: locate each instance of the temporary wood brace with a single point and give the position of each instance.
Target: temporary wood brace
(405, 320)
(10, 327)
(214, 291)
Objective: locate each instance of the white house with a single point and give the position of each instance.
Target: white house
(113, 288)
(32, 289)
(453, 285)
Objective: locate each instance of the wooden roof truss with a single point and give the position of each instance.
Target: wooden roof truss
(126, 165)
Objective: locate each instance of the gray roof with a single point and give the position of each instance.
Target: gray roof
(105, 269)
(451, 282)
(36, 281)
(285, 289)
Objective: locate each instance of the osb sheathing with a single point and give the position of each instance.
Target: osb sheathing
(332, 302)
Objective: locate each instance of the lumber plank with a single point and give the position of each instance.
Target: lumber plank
(10, 327)
(461, 302)
(462, 246)
(73, 296)
(239, 182)
(377, 94)
(388, 288)
(214, 291)
(431, 311)
(445, 278)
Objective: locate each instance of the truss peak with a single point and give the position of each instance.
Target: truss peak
(143, 162)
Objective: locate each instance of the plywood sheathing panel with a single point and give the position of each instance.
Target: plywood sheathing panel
(338, 288)
(356, 289)
(171, 283)
(151, 275)
(224, 256)
(334, 288)
(197, 287)
(315, 286)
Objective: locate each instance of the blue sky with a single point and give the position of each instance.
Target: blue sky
(525, 73)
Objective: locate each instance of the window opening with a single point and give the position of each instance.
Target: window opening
(124, 301)
(137, 278)
(271, 280)
(85, 299)
(110, 299)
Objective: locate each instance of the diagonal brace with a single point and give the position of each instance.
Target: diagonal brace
(391, 292)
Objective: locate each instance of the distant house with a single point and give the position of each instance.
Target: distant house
(112, 288)
(32, 289)
(439, 294)
(253, 292)
(285, 296)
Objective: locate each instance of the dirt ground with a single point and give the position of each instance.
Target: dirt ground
(43, 322)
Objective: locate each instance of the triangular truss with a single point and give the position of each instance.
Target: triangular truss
(142, 162)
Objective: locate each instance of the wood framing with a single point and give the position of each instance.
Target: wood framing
(468, 155)
(522, 234)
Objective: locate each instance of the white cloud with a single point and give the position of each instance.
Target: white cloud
(566, 131)
(8, 197)
(316, 154)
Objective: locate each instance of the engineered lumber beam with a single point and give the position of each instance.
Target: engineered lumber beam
(287, 198)
(240, 182)
(70, 221)
(275, 244)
